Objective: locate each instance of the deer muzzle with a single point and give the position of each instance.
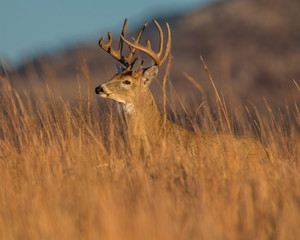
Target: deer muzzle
(98, 89)
(102, 91)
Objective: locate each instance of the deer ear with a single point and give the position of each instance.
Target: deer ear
(150, 74)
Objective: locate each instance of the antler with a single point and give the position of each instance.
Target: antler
(118, 54)
(148, 50)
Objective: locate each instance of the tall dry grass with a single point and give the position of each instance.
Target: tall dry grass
(66, 173)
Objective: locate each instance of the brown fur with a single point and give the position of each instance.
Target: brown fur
(144, 121)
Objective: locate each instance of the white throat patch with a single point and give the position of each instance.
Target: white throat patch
(126, 108)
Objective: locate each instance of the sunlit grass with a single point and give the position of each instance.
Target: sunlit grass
(66, 173)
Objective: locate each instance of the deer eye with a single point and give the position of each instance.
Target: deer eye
(127, 82)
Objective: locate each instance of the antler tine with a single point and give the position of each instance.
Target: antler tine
(131, 64)
(132, 49)
(117, 54)
(161, 38)
(148, 50)
(107, 47)
(123, 34)
(168, 46)
(141, 66)
(141, 32)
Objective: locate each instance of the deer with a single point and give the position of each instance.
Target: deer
(130, 89)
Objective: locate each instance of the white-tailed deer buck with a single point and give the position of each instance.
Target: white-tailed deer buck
(130, 88)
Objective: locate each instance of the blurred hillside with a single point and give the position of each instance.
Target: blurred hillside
(252, 50)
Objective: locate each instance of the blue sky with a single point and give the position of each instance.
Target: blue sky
(29, 27)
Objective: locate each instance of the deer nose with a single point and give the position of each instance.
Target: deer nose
(98, 89)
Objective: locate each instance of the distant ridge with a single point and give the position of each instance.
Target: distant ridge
(252, 48)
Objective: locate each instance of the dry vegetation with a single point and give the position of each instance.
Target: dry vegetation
(65, 173)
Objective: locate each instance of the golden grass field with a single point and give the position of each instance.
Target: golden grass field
(66, 173)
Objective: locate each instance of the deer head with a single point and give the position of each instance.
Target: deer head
(128, 84)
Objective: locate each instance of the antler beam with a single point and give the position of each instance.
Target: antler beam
(148, 50)
(117, 54)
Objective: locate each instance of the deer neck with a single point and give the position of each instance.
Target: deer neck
(142, 114)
